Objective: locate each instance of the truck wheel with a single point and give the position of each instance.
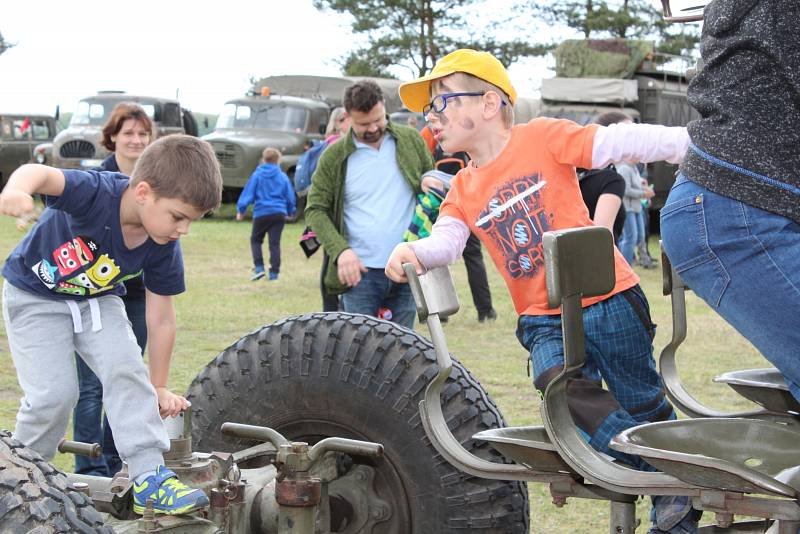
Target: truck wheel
(189, 122)
(338, 374)
(34, 496)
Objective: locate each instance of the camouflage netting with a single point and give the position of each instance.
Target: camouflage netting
(601, 58)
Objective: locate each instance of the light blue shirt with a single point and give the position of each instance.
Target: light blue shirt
(378, 202)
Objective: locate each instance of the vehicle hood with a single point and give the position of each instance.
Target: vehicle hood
(257, 138)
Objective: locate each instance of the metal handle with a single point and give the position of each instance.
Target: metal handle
(349, 446)
(260, 433)
(92, 450)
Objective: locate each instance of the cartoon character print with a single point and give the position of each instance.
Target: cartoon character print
(515, 220)
(74, 254)
(70, 289)
(83, 281)
(103, 271)
(46, 273)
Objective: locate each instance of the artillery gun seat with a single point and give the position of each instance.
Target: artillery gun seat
(765, 387)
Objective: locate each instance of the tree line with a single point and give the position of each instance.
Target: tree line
(416, 33)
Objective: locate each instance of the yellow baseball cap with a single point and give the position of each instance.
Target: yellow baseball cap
(483, 65)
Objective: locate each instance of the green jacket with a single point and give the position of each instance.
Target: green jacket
(325, 203)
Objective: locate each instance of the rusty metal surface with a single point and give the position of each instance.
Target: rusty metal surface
(298, 493)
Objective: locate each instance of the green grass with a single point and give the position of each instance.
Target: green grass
(221, 305)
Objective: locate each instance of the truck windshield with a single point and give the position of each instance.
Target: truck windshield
(96, 113)
(276, 117)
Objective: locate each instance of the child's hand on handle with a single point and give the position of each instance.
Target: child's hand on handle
(15, 202)
(402, 253)
(170, 404)
(240, 216)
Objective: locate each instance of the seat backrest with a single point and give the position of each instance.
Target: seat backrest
(580, 263)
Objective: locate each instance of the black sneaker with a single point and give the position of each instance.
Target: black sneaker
(490, 315)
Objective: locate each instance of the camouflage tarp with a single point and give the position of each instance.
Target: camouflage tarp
(601, 58)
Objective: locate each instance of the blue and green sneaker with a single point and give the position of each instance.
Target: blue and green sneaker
(169, 495)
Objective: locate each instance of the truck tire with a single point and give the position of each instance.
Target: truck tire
(338, 374)
(189, 122)
(34, 496)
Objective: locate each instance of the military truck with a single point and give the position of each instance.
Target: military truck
(283, 112)
(248, 125)
(78, 146)
(597, 75)
(19, 135)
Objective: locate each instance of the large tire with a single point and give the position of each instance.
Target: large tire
(34, 496)
(337, 374)
(189, 123)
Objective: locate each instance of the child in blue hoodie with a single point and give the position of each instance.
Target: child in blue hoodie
(272, 196)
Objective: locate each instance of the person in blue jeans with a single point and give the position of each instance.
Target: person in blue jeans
(272, 196)
(361, 201)
(127, 133)
(731, 223)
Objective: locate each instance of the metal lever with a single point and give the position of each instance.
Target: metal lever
(92, 450)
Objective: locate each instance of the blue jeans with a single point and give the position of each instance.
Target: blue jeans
(745, 263)
(640, 235)
(88, 414)
(630, 236)
(376, 291)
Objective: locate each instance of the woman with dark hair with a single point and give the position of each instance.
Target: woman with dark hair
(127, 133)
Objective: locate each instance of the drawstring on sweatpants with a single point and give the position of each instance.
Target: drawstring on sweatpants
(77, 321)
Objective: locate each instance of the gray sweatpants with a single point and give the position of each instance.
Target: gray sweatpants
(43, 335)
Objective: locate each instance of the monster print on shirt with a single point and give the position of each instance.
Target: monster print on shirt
(98, 274)
(515, 221)
(74, 254)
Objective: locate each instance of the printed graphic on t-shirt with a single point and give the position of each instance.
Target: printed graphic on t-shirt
(98, 275)
(515, 220)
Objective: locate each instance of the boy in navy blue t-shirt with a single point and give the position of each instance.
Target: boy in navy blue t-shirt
(61, 295)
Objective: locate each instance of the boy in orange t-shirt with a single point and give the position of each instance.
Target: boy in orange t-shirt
(520, 183)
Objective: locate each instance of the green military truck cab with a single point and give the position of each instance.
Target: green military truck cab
(248, 125)
(19, 136)
(78, 146)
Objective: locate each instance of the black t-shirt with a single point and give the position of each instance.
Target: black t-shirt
(598, 182)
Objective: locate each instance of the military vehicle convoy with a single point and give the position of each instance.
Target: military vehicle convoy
(78, 146)
(598, 75)
(283, 112)
(19, 135)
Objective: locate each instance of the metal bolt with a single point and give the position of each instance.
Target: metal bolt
(724, 519)
(379, 512)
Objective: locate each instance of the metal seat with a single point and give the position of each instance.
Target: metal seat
(765, 389)
(741, 455)
(435, 298)
(580, 263)
(715, 461)
(529, 446)
(537, 459)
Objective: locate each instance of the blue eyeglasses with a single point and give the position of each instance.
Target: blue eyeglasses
(439, 102)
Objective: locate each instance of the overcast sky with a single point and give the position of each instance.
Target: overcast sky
(205, 52)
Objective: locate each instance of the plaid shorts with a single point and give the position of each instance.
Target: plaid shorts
(619, 352)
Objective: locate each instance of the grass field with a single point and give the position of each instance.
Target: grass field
(221, 305)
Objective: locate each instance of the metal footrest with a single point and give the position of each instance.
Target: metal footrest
(736, 455)
(765, 387)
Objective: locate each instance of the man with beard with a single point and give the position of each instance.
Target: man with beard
(361, 202)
